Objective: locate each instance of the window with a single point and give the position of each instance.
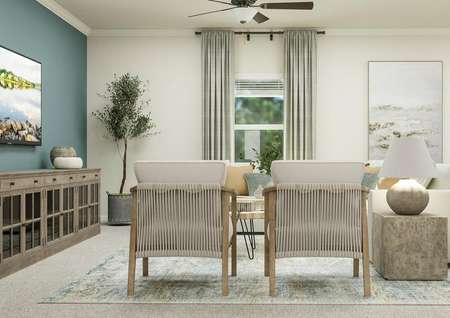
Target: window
(258, 120)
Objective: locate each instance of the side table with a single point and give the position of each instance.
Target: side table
(250, 209)
(410, 247)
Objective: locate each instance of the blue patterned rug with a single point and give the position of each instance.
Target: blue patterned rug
(197, 281)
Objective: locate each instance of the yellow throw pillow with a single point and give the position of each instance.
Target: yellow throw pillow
(235, 178)
(386, 183)
(374, 170)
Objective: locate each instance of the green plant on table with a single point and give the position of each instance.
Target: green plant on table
(271, 151)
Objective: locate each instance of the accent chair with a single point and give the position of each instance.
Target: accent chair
(316, 209)
(182, 209)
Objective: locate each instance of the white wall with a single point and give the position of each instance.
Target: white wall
(342, 109)
(172, 66)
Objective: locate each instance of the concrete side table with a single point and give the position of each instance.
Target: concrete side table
(410, 247)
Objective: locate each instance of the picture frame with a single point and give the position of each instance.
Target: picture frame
(20, 99)
(405, 98)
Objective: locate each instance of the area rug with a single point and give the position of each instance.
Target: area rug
(198, 281)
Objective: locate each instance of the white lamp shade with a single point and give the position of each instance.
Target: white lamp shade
(245, 14)
(408, 158)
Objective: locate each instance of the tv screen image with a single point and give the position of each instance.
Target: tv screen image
(20, 99)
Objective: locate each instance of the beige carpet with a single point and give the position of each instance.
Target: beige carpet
(20, 293)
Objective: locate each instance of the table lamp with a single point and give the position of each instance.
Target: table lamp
(408, 158)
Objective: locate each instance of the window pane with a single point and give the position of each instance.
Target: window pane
(258, 110)
(249, 142)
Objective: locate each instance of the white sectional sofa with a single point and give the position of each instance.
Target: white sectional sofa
(439, 190)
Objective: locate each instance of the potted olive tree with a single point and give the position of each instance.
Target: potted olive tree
(124, 119)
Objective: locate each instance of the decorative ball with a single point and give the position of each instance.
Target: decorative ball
(60, 151)
(407, 197)
(68, 163)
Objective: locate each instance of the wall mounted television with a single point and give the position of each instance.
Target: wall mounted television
(20, 99)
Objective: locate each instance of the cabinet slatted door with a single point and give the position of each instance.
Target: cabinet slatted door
(54, 213)
(94, 217)
(11, 231)
(32, 222)
(12, 210)
(83, 207)
(67, 219)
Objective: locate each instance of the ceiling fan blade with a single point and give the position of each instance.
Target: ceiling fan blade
(288, 5)
(260, 18)
(209, 12)
(223, 2)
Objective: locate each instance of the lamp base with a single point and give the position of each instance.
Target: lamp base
(407, 197)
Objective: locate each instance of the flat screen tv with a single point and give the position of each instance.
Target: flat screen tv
(20, 99)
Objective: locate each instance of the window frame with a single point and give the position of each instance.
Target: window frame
(255, 127)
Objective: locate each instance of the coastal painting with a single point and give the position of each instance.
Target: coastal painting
(20, 99)
(405, 99)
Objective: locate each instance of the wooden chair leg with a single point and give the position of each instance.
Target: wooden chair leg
(132, 255)
(366, 276)
(145, 266)
(365, 247)
(131, 274)
(225, 275)
(234, 237)
(356, 267)
(271, 223)
(225, 238)
(272, 280)
(266, 249)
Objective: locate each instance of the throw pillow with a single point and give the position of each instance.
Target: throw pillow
(370, 180)
(235, 178)
(386, 183)
(254, 180)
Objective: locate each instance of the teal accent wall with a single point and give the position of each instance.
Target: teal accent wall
(32, 30)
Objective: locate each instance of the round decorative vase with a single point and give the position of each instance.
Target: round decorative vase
(119, 209)
(60, 151)
(68, 163)
(407, 197)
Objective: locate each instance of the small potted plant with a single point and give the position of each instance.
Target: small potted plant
(124, 119)
(270, 152)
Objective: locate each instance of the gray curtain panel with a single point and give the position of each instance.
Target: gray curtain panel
(217, 93)
(300, 94)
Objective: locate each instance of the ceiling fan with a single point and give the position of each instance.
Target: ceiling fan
(247, 9)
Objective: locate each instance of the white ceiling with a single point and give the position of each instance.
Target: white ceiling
(172, 14)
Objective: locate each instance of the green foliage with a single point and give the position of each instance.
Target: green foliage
(123, 115)
(272, 150)
(259, 110)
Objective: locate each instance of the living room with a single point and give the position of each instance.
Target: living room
(266, 95)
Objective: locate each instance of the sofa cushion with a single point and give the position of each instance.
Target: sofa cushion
(179, 172)
(442, 181)
(235, 178)
(317, 172)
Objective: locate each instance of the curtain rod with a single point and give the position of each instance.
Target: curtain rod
(259, 32)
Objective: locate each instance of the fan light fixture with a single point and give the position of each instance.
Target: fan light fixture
(245, 14)
(247, 10)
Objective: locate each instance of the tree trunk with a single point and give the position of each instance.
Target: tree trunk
(124, 166)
